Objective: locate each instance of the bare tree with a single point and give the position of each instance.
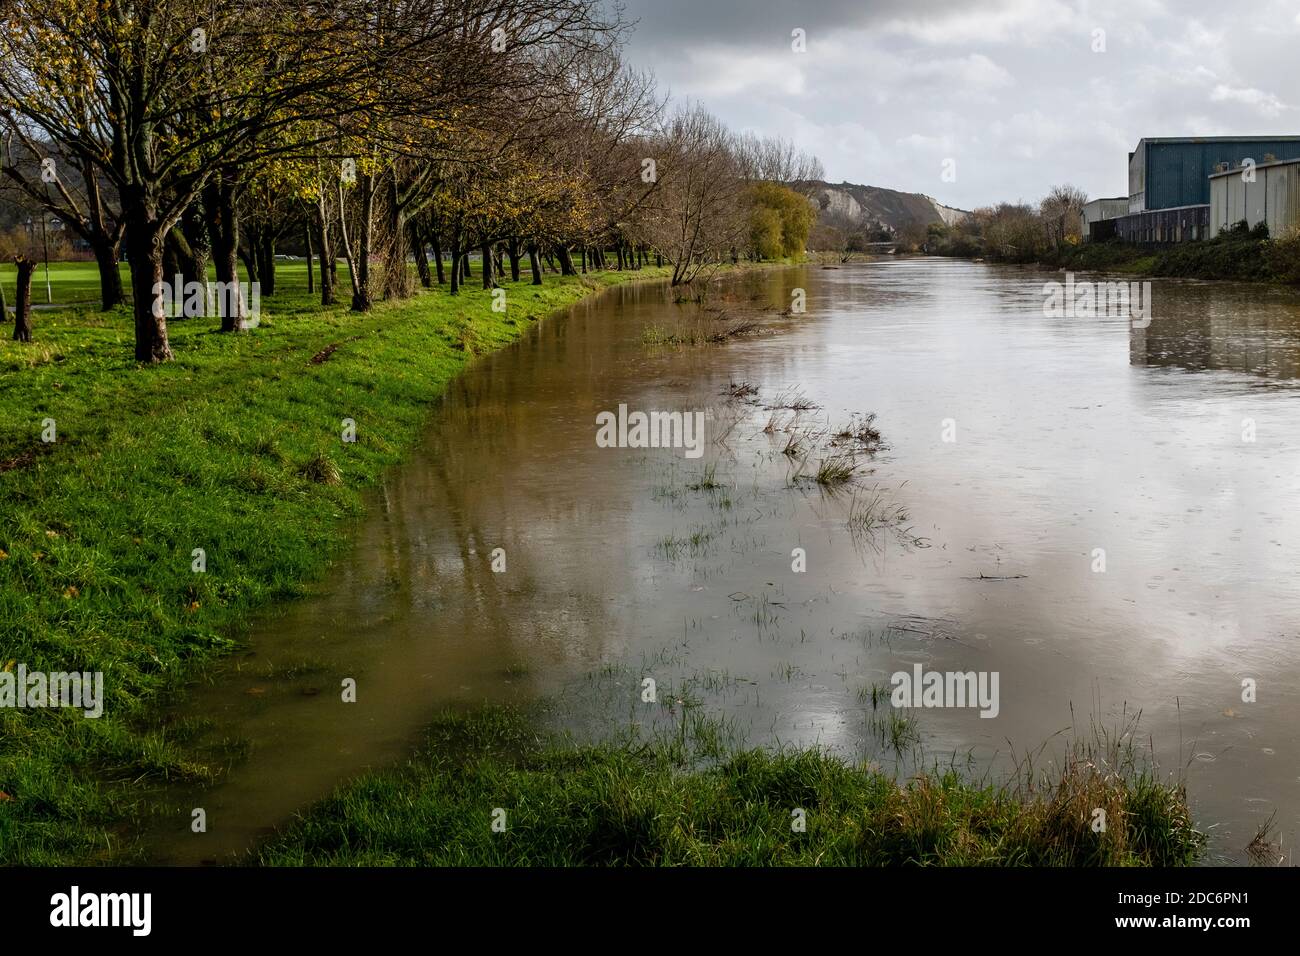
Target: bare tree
(696, 217)
(1060, 212)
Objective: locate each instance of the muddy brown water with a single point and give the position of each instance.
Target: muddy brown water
(1072, 435)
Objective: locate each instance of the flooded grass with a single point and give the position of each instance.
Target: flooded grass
(872, 511)
(235, 449)
(697, 332)
(877, 695)
(791, 399)
(740, 390)
(835, 471)
(695, 544)
(708, 480)
(861, 433)
(635, 804)
(894, 730)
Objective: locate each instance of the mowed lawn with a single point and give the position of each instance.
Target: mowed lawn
(78, 282)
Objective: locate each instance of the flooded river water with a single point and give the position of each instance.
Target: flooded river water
(1017, 446)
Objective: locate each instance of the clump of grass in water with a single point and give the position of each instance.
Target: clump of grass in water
(635, 804)
(861, 433)
(739, 390)
(708, 480)
(895, 729)
(791, 399)
(696, 334)
(1261, 850)
(696, 543)
(834, 471)
(874, 694)
(871, 511)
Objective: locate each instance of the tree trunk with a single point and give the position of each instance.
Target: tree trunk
(512, 250)
(535, 262)
(566, 261)
(328, 254)
(421, 256)
(437, 257)
(465, 271)
(398, 235)
(265, 253)
(306, 241)
(171, 257)
(486, 251)
(144, 243)
(181, 259)
(23, 301)
(198, 246)
(219, 200)
(361, 300)
(111, 294)
(455, 262)
(328, 262)
(106, 244)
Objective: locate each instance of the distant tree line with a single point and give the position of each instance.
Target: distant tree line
(1009, 232)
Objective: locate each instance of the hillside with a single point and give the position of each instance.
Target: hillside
(849, 208)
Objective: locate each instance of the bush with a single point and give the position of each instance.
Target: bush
(1283, 256)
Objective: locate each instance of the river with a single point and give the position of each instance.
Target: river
(1016, 446)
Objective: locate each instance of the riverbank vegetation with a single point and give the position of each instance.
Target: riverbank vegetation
(1048, 234)
(1242, 254)
(669, 802)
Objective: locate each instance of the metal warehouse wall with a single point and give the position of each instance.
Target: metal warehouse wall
(1164, 226)
(1099, 210)
(1177, 173)
(1274, 198)
(1137, 178)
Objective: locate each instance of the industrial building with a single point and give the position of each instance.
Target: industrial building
(1266, 192)
(1101, 210)
(1170, 180)
(1168, 173)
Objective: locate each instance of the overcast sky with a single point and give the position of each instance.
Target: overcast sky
(1010, 90)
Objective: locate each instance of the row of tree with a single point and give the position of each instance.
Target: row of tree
(188, 134)
(1012, 232)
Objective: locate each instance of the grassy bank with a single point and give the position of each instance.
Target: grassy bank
(1237, 255)
(643, 804)
(234, 448)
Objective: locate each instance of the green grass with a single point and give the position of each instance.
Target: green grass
(637, 804)
(69, 282)
(235, 447)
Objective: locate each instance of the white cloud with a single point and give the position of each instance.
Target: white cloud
(1266, 104)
